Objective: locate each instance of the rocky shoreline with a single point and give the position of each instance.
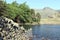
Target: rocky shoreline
(9, 30)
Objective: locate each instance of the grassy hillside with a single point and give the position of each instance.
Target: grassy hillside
(47, 12)
(49, 15)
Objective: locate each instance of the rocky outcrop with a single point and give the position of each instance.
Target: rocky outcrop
(10, 30)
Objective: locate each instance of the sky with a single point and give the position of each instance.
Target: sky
(39, 4)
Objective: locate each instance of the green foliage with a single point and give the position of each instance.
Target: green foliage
(38, 17)
(19, 12)
(2, 8)
(27, 26)
(33, 15)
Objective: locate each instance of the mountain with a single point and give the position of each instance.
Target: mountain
(47, 12)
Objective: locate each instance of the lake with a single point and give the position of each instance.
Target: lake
(46, 31)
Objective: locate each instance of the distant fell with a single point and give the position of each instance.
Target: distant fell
(48, 12)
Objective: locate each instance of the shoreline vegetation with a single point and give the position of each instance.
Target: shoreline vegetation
(20, 13)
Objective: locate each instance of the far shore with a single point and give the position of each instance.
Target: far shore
(35, 23)
(50, 21)
(44, 21)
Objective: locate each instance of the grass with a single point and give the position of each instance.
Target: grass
(50, 21)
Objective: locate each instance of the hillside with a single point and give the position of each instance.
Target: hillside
(49, 15)
(48, 12)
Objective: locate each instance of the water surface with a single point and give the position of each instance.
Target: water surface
(46, 31)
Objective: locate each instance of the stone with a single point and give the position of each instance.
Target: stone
(15, 27)
(9, 30)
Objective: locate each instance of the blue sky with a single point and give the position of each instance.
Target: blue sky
(39, 4)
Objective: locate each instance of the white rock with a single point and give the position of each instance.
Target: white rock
(11, 32)
(22, 28)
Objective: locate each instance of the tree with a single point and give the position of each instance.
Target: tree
(38, 17)
(18, 12)
(33, 15)
(26, 12)
(12, 10)
(2, 7)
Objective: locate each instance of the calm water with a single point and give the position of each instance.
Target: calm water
(46, 31)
